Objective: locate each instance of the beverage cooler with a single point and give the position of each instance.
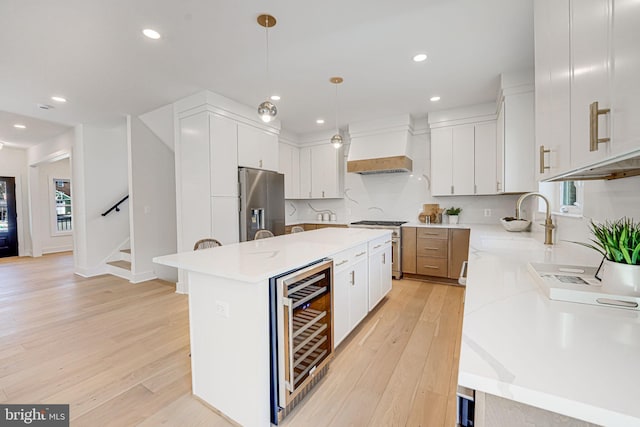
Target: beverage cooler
(301, 333)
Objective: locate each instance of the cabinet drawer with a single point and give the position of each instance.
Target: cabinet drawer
(433, 233)
(432, 266)
(379, 244)
(348, 257)
(432, 248)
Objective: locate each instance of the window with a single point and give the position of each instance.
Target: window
(4, 223)
(571, 197)
(62, 206)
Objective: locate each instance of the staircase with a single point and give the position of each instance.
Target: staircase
(121, 265)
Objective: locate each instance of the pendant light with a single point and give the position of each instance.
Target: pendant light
(267, 110)
(336, 139)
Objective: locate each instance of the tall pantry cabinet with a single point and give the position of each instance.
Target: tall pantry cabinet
(215, 135)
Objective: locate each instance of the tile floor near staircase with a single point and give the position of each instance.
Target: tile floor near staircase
(118, 353)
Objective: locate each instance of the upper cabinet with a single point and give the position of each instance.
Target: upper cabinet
(257, 148)
(586, 65)
(321, 172)
(463, 159)
(289, 166)
(515, 141)
(590, 75)
(552, 87)
(626, 69)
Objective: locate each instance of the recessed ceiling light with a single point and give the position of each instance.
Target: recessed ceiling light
(19, 126)
(152, 34)
(320, 121)
(275, 97)
(434, 98)
(420, 57)
(59, 99)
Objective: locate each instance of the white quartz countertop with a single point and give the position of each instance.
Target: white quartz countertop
(574, 359)
(434, 225)
(315, 221)
(257, 260)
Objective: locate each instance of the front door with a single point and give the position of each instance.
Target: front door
(8, 223)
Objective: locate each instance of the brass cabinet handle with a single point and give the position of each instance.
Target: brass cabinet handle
(361, 253)
(431, 266)
(594, 112)
(430, 249)
(542, 151)
(342, 262)
(353, 278)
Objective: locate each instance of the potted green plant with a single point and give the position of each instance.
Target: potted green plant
(453, 213)
(619, 243)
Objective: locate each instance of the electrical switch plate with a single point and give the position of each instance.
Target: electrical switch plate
(487, 212)
(222, 308)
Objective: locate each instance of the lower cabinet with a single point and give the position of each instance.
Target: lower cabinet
(434, 251)
(349, 291)
(380, 268)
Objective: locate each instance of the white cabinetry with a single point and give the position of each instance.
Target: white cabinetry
(257, 148)
(290, 167)
(380, 266)
(208, 183)
(626, 69)
(515, 144)
(552, 87)
(590, 72)
(350, 303)
(463, 159)
(321, 172)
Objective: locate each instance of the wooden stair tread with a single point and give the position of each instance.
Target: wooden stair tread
(125, 265)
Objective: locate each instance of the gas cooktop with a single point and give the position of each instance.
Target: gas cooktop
(380, 223)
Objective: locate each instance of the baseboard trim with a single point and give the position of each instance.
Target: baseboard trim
(182, 288)
(143, 277)
(90, 272)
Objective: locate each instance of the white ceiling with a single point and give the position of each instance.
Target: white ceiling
(93, 53)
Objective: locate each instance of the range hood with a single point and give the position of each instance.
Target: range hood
(617, 167)
(380, 147)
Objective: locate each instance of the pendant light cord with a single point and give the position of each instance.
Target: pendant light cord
(266, 30)
(336, 108)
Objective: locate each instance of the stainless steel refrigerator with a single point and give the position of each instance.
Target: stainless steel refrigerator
(261, 202)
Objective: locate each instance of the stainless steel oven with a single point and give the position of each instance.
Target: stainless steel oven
(301, 333)
(396, 243)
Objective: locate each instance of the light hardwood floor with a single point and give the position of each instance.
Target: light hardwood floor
(119, 353)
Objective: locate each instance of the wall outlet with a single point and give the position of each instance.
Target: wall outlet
(222, 308)
(487, 212)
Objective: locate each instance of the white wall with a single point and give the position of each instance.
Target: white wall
(160, 122)
(13, 163)
(100, 178)
(38, 157)
(48, 241)
(401, 196)
(152, 206)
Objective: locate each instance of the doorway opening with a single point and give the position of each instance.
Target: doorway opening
(8, 218)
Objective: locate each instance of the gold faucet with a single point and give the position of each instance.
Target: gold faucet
(548, 223)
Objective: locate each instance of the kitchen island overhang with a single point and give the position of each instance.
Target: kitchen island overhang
(229, 313)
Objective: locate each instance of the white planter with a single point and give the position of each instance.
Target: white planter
(453, 219)
(620, 279)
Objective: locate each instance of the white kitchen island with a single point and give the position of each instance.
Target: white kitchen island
(573, 359)
(229, 312)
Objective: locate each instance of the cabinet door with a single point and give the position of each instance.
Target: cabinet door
(341, 304)
(463, 160)
(324, 172)
(542, 43)
(375, 285)
(225, 220)
(589, 76)
(224, 156)
(519, 176)
(458, 251)
(289, 165)
(358, 298)
(485, 158)
(305, 173)
(626, 69)
(499, 186)
(441, 161)
(257, 148)
(409, 250)
(195, 180)
(386, 270)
